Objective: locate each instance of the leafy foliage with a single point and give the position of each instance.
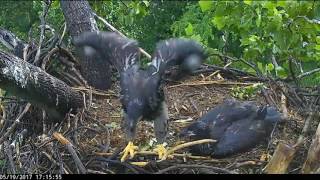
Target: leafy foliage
(266, 33)
(272, 35)
(247, 92)
(146, 21)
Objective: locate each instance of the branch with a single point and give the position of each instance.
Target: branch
(312, 163)
(188, 144)
(32, 84)
(45, 9)
(14, 125)
(308, 73)
(115, 30)
(178, 166)
(311, 21)
(284, 153)
(70, 148)
(253, 66)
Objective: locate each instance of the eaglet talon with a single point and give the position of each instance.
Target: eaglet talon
(129, 150)
(161, 150)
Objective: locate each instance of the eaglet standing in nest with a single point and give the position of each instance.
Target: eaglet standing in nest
(142, 95)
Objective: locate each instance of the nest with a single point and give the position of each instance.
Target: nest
(91, 141)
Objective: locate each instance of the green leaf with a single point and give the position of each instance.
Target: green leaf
(258, 20)
(281, 39)
(281, 72)
(55, 4)
(196, 37)
(270, 67)
(281, 3)
(146, 3)
(205, 5)
(189, 29)
(219, 22)
(270, 6)
(260, 67)
(253, 38)
(317, 11)
(248, 2)
(318, 39)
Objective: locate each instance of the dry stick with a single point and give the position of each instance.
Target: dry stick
(305, 129)
(115, 30)
(308, 73)
(269, 100)
(284, 106)
(63, 33)
(46, 59)
(54, 161)
(171, 151)
(96, 172)
(178, 166)
(14, 125)
(312, 162)
(70, 63)
(72, 79)
(284, 153)
(151, 153)
(254, 67)
(3, 117)
(93, 91)
(73, 153)
(188, 144)
(43, 23)
(221, 82)
(8, 152)
(217, 71)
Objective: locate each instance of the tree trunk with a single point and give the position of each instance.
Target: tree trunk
(312, 164)
(32, 84)
(79, 18)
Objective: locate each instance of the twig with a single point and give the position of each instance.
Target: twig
(97, 172)
(45, 8)
(306, 126)
(95, 92)
(46, 59)
(115, 30)
(311, 21)
(3, 117)
(308, 73)
(253, 66)
(63, 33)
(14, 125)
(108, 161)
(197, 83)
(73, 153)
(8, 153)
(151, 153)
(217, 71)
(268, 98)
(54, 161)
(188, 144)
(284, 106)
(292, 72)
(72, 79)
(178, 166)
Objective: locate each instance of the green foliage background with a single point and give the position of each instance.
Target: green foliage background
(256, 31)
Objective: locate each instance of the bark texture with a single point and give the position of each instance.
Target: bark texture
(32, 84)
(79, 19)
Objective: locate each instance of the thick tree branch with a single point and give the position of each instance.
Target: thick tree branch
(36, 86)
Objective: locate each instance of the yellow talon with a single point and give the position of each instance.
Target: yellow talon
(161, 150)
(129, 150)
